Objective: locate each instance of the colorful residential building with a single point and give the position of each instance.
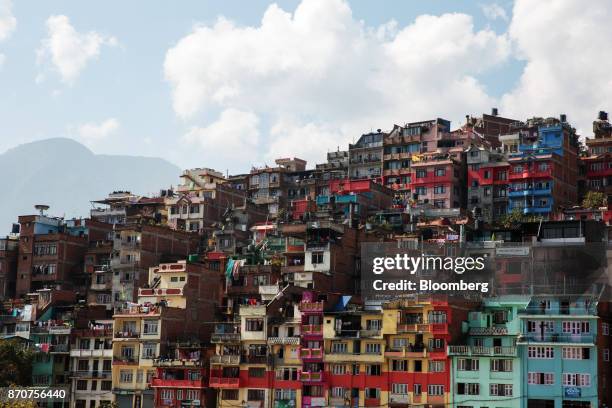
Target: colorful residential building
(487, 180)
(598, 163)
(366, 157)
(91, 355)
(543, 166)
(438, 181)
(558, 352)
(486, 369)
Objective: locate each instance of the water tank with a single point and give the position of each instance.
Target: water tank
(602, 115)
(494, 112)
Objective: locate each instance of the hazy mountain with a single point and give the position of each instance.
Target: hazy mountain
(66, 175)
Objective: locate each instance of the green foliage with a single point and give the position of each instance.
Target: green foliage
(16, 362)
(594, 199)
(18, 404)
(516, 217)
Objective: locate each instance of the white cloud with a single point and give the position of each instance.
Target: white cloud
(567, 65)
(8, 22)
(69, 51)
(96, 132)
(319, 69)
(234, 135)
(494, 11)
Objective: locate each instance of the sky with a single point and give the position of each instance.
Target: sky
(233, 84)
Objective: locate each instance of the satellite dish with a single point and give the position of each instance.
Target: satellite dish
(41, 208)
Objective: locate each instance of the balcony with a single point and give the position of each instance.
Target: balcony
(308, 376)
(92, 374)
(488, 331)
(371, 402)
(311, 353)
(481, 351)
(413, 328)
(557, 338)
(91, 353)
(407, 352)
(312, 329)
(231, 338)
(399, 398)
(127, 335)
(160, 382)
(171, 362)
(252, 310)
(59, 348)
(335, 357)
(284, 340)
(101, 286)
(224, 382)
(529, 192)
(254, 359)
(125, 361)
(225, 360)
(368, 333)
(530, 174)
(310, 307)
(268, 290)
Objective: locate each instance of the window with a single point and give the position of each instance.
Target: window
(439, 190)
(372, 348)
(280, 395)
(338, 392)
(316, 258)
(420, 190)
(501, 365)
(535, 326)
(606, 354)
(468, 388)
(229, 394)
(81, 385)
(605, 329)
(167, 394)
(126, 376)
(576, 380)
(399, 365)
(500, 390)
(436, 366)
(257, 372)
(468, 364)
(256, 395)
(541, 378)
(106, 385)
(576, 353)
(440, 172)
(418, 366)
(401, 389)
(193, 395)
(437, 316)
(373, 393)
(338, 369)
(417, 389)
(373, 369)
(286, 374)
(194, 208)
(421, 173)
(541, 352)
(338, 347)
(127, 352)
(576, 327)
(435, 344)
(149, 350)
(83, 365)
(434, 389)
(150, 326)
(373, 324)
(254, 324)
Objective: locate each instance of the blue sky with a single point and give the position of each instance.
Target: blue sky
(132, 97)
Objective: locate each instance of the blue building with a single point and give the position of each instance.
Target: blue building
(558, 353)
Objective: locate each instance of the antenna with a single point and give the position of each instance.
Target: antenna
(41, 208)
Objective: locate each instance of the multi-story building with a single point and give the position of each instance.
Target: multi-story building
(598, 163)
(558, 353)
(268, 185)
(201, 200)
(486, 369)
(487, 181)
(91, 355)
(176, 304)
(8, 266)
(123, 207)
(181, 378)
(51, 253)
(336, 166)
(366, 157)
(544, 168)
(136, 248)
(438, 181)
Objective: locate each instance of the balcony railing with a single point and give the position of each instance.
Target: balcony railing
(488, 331)
(127, 335)
(92, 374)
(59, 348)
(224, 382)
(225, 360)
(481, 351)
(311, 353)
(310, 306)
(557, 338)
(225, 338)
(284, 340)
(312, 329)
(308, 376)
(160, 382)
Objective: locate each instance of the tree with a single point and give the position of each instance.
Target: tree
(516, 217)
(18, 404)
(594, 199)
(16, 363)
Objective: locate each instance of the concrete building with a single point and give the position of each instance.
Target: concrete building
(366, 157)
